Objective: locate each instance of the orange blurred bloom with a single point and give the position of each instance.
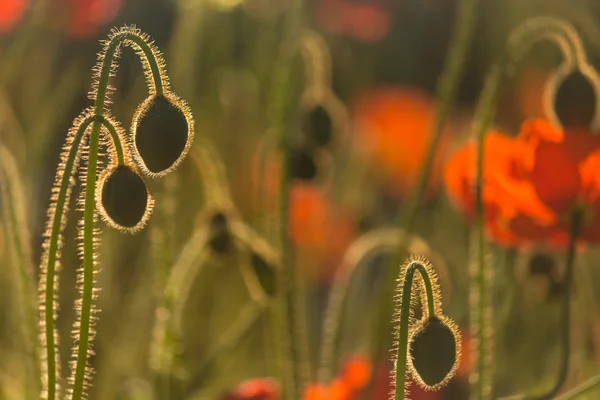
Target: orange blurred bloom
(394, 127)
(318, 228)
(87, 17)
(367, 21)
(255, 389)
(355, 377)
(11, 12)
(532, 183)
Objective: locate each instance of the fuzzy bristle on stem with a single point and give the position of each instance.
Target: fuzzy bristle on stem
(154, 70)
(50, 264)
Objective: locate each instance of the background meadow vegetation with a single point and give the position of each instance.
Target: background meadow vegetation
(384, 59)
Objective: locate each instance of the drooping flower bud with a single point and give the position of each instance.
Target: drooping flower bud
(435, 349)
(163, 130)
(123, 199)
(573, 98)
(317, 125)
(220, 237)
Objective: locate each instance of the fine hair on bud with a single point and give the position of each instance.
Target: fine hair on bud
(434, 348)
(123, 199)
(163, 130)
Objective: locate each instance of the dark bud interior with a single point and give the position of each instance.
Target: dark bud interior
(302, 165)
(318, 126)
(542, 264)
(575, 102)
(161, 134)
(220, 237)
(265, 273)
(433, 350)
(125, 197)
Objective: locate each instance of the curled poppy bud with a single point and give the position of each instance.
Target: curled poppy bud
(163, 130)
(574, 98)
(123, 199)
(318, 126)
(435, 352)
(220, 236)
(260, 276)
(303, 165)
(265, 273)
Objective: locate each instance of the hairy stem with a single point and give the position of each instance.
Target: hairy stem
(405, 290)
(80, 374)
(447, 87)
(292, 332)
(48, 285)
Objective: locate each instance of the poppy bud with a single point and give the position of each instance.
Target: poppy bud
(542, 264)
(220, 237)
(435, 352)
(260, 276)
(302, 165)
(318, 125)
(574, 101)
(162, 131)
(124, 200)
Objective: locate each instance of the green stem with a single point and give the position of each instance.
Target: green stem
(447, 88)
(80, 374)
(293, 335)
(403, 325)
(563, 372)
(590, 384)
(49, 284)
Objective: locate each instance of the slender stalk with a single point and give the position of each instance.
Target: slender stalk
(293, 335)
(584, 388)
(447, 87)
(51, 259)
(84, 325)
(406, 285)
(563, 372)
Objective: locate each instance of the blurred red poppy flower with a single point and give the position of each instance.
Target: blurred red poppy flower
(532, 183)
(366, 21)
(318, 228)
(11, 12)
(355, 376)
(255, 389)
(87, 17)
(394, 130)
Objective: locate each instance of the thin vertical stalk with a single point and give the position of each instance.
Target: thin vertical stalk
(447, 87)
(563, 371)
(293, 334)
